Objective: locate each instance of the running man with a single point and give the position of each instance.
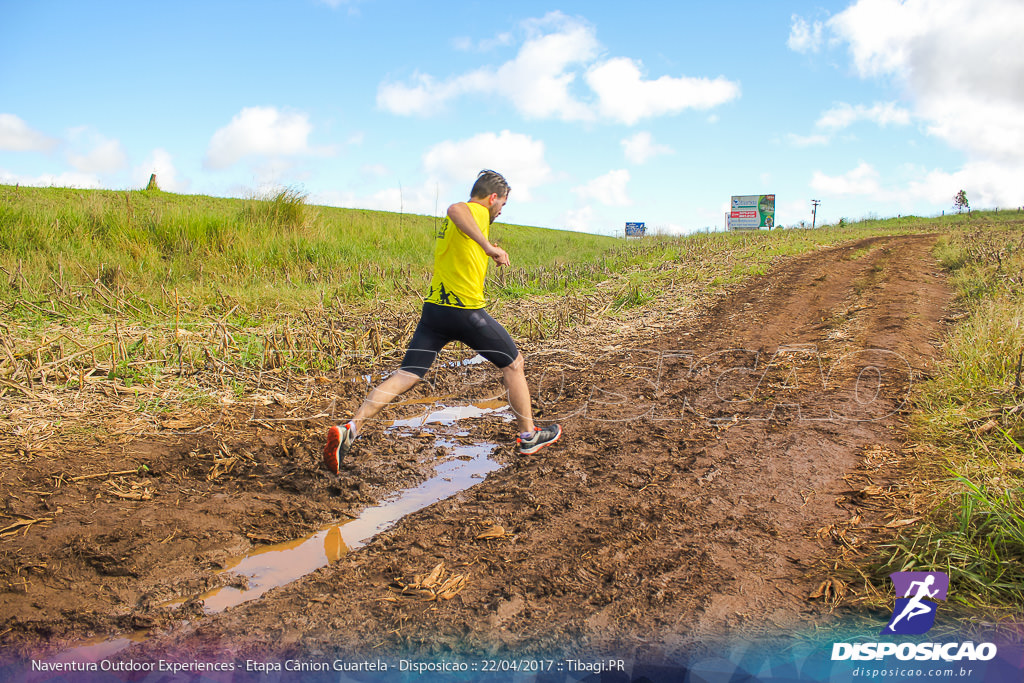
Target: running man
(454, 311)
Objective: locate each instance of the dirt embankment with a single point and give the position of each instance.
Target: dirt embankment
(713, 466)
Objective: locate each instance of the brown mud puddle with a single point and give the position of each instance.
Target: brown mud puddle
(279, 564)
(713, 469)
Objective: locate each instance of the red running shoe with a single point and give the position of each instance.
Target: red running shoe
(339, 442)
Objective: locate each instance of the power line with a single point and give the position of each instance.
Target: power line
(814, 219)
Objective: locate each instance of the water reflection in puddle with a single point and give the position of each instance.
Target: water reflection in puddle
(448, 415)
(278, 565)
(99, 648)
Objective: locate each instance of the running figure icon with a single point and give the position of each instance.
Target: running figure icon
(916, 609)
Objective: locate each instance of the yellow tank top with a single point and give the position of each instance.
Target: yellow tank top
(460, 264)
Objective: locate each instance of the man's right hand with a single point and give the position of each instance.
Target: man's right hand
(499, 255)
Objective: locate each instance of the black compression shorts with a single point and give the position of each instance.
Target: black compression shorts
(474, 327)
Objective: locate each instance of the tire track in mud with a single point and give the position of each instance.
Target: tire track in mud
(696, 494)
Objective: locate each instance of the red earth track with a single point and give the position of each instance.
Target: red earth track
(707, 478)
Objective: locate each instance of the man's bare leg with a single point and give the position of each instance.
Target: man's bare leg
(519, 393)
(531, 438)
(385, 392)
(339, 439)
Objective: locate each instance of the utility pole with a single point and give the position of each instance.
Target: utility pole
(814, 214)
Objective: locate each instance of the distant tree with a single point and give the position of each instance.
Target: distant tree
(960, 202)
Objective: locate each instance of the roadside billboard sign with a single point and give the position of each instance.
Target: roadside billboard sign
(752, 212)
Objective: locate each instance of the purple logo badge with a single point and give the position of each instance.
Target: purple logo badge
(914, 612)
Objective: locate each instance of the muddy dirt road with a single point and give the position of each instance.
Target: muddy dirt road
(715, 464)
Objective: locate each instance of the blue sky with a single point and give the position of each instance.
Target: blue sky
(598, 113)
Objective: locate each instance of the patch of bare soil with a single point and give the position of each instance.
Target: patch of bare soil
(714, 468)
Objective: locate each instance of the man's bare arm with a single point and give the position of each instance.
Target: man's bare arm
(462, 217)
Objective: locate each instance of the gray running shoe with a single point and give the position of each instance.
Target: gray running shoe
(540, 439)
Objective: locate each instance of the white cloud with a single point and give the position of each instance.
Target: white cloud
(959, 61)
(844, 115)
(807, 140)
(66, 179)
(536, 81)
(608, 189)
(100, 155)
(374, 171)
(987, 184)
(581, 220)
(640, 148)
(261, 132)
(16, 136)
(803, 36)
(625, 96)
(161, 163)
(791, 212)
(880, 32)
(451, 168)
(467, 44)
(518, 157)
(425, 199)
(862, 180)
(427, 95)
(985, 130)
(960, 70)
(351, 5)
(543, 81)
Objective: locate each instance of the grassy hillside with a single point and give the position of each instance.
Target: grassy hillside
(269, 250)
